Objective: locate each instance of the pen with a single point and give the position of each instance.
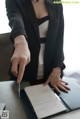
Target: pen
(19, 89)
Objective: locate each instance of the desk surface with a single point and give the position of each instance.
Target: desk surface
(9, 96)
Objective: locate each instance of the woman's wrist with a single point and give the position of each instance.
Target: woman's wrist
(56, 72)
(20, 40)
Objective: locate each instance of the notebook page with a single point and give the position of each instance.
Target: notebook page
(44, 100)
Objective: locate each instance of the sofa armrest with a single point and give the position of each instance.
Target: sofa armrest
(6, 49)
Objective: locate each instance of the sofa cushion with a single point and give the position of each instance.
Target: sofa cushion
(6, 48)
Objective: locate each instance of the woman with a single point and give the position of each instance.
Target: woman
(37, 33)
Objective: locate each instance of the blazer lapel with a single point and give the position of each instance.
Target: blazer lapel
(34, 20)
(27, 5)
(52, 20)
(51, 33)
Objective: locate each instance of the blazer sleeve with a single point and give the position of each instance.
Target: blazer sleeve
(15, 19)
(59, 55)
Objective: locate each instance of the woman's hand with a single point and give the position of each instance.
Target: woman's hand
(20, 58)
(57, 83)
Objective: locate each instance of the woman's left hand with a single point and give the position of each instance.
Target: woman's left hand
(57, 83)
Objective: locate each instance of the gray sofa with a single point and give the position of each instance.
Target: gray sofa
(6, 48)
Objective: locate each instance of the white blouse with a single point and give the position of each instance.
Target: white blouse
(43, 27)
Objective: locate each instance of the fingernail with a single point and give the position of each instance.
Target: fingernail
(66, 91)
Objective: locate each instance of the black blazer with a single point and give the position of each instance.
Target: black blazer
(22, 20)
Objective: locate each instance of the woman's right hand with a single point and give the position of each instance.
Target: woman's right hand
(20, 57)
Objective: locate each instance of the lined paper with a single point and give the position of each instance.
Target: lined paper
(44, 100)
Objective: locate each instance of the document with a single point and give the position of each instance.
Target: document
(44, 101)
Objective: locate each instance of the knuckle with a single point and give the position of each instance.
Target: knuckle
(13, 71)
(22, 69)
(14, 58)
(23, 59)
(29, 59)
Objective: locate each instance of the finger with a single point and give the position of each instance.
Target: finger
(14, 68)
(21, 71)
(57, 89)
(64, 82)
(63, 88)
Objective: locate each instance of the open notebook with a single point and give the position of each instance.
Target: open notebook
(72, 98)
(43, 102)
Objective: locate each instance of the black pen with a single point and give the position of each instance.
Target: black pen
(19, 89)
